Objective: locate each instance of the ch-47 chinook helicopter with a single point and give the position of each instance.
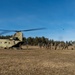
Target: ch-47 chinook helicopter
(16, 40)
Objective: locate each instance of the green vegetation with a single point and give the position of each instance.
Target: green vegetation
(40, 40)
(43, 40)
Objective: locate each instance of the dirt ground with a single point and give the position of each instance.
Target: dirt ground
(35, 61)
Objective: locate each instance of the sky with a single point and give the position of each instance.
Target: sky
(57, 16)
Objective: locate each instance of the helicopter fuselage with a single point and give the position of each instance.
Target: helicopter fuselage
(7, 43)
(14, 41)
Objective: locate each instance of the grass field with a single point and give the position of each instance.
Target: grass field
(37, 62)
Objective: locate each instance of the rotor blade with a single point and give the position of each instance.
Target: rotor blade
(8, 30)
(32, 29)
(4, 32)
(22, 30)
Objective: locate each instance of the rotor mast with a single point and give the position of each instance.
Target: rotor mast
(19, 35)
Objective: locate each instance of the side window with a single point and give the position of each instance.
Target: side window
(5, 42)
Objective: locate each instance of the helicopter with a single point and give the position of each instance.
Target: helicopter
(16, 40)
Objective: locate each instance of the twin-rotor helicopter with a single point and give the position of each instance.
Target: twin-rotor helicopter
(16, 40)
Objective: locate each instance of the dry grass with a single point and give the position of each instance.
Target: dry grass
(37, 62)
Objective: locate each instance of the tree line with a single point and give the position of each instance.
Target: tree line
(40, 40)
(43, 40)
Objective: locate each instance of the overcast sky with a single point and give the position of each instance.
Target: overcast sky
(58, 16)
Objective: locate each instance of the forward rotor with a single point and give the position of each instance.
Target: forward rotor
(3, 31)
